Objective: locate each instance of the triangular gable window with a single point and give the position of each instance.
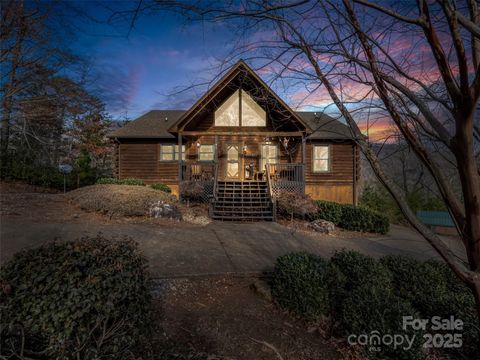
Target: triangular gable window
(230, 113)
(252, 113)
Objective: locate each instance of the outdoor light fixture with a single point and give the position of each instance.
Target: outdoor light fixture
(198, 143)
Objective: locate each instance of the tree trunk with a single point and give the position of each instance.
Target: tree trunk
(462, 146)
(7, 102)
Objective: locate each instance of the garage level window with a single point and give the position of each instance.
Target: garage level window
(169, 152)
(206, 152)
(321, 158)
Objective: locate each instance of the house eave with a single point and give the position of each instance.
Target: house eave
(181, 122)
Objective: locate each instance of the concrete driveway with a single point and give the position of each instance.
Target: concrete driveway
(220, 247)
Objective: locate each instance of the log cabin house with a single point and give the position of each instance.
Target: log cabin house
(241, 145)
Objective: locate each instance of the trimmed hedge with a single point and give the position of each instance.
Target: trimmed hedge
(161, 187)
(369, 311)
(300, 284)
(364, 301)
(413, 281)
(114, 181)
(366, 295)
(358, 269)
(351, 217)
(66, 296)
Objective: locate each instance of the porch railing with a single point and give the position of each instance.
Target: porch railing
(286, 177)
(280, 177)
(198, 171)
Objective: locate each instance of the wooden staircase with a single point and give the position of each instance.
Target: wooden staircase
(242, 201)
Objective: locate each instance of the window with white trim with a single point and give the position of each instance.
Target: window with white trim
(169, 152)
(206, 152)
(321, 158)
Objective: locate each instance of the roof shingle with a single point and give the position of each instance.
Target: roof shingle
(326, 127)
(155, 124)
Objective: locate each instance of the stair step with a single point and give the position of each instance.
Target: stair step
(239, 182)
(237, 196)
(242, 201)
(245, 209)
(240, 213)
(252, 195)
(226, 188)
(248, 203)
(234, 218)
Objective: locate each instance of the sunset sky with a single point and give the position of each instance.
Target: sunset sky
(144, 69)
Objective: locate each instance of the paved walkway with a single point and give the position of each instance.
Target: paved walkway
(220, 247)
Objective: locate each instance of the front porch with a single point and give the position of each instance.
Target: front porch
(273, 157)
(251, 198)
(278, 177)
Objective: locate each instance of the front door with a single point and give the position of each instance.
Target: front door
(232, 166)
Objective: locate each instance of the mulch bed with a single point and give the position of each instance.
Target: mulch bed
(222, 317)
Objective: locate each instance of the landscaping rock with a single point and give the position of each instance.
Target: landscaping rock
(322, 226)
(161, 209)
(197, 220)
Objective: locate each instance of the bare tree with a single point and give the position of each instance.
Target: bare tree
(43, 88)
(429, 89)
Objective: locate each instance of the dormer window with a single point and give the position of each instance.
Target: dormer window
(240, 110)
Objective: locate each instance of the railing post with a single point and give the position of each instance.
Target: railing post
(304, 159)
(215, 167)
(180, 166)
(215, 154)
(180, 155)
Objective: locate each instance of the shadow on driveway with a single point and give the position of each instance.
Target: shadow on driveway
(220, 247)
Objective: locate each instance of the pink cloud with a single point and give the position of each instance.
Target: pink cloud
(172, 53)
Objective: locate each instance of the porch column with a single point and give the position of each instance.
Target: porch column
(215, 154)
(304, 160)
(180, 156)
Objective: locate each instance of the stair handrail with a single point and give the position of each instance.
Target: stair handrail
(270, 191)
(215, 178)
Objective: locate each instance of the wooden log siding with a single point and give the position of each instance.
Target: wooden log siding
(338, 183)
(116, 164)
(140, 159)
(341, 163)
